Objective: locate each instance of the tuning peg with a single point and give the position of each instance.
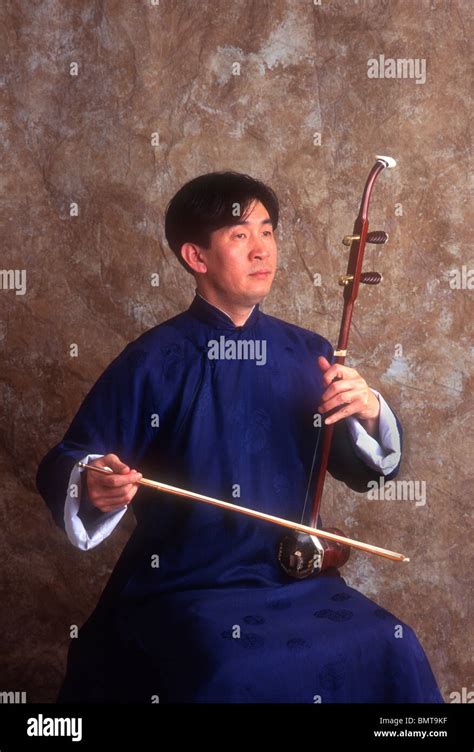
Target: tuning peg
(347, 239)
(378, 237)
(371, 278)
(345, 279)
(368, 278)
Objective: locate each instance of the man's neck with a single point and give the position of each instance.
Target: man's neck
(238, 315)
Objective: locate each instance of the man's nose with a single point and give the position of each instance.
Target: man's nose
(259, 249)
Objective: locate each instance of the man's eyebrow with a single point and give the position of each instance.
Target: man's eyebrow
(267, 221)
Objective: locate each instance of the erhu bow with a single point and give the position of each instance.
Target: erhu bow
(325, 534)
(300, 554)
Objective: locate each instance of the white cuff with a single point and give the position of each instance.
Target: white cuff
(75, 529)
(384, 456)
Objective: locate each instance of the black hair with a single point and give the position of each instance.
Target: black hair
(212, 201)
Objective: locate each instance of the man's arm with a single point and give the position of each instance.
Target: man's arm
(382, 448)
(367, 439)
(356, 458)
(86, 525)
(114, 417)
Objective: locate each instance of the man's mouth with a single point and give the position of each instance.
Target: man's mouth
(260, 273)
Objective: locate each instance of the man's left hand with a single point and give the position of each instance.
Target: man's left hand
(350, 390)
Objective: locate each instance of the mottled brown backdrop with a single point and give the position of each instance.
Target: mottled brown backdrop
(109, 107)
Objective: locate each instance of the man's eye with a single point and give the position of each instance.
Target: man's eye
(267, 232)
(240, 235)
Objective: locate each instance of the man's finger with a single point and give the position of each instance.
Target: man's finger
(346, 403)
(115, 480)
(336, 371)
(99, 494)
(344, 412)
(105, 506)
(107, 503)
(339, 386)
(112, 461)
(323, 363)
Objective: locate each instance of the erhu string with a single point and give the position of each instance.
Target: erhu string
(320, 431)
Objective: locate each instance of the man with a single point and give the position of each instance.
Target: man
(221, 399)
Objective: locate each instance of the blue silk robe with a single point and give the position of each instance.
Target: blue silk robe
(218, 620)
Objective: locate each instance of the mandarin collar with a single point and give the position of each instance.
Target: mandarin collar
(210, 314)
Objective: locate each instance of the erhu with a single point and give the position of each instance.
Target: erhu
(307, 550)
(301, 554)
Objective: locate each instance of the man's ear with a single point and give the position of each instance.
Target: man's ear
(194, 256)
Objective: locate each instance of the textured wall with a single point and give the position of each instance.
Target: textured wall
(85, 137)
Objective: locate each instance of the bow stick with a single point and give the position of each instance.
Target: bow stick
(157, 486)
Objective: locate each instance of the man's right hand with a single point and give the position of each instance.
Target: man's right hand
(111, 492)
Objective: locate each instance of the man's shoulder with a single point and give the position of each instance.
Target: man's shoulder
(295, 335)
(170, 330)
(165, 338)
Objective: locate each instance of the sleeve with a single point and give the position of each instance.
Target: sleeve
(356, 458)
(113, 418)
(85, 525)
(384, 455)
(347, 465)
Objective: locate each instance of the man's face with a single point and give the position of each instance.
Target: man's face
(240, 264)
